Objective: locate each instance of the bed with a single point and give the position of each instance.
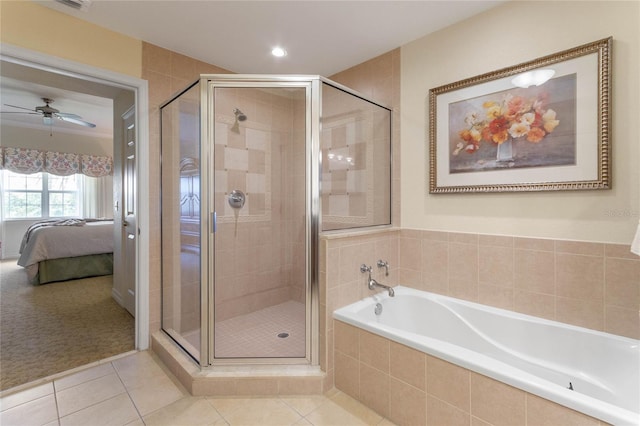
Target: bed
(67, 249)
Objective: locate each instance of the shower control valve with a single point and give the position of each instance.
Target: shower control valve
(236, 199)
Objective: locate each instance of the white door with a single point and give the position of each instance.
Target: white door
(129, 220)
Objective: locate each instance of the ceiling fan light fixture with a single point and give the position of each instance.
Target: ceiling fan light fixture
(82, 5)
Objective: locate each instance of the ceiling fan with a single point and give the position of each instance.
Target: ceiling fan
(48, 113)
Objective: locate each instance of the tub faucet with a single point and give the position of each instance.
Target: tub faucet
(372, 283)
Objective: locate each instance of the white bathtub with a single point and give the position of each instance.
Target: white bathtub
(538, 356)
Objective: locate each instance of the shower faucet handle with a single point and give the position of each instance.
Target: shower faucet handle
(384, 264)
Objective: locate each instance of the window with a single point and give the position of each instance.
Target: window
(41, 195)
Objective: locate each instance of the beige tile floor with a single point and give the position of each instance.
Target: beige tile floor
(137, 390)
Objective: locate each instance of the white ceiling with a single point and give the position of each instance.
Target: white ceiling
(321, 37)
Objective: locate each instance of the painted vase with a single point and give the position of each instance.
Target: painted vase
(506, 151)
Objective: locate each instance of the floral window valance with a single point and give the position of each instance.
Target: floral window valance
(27, 161)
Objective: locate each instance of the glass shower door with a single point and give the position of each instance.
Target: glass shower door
(260, 202)
(181, 220)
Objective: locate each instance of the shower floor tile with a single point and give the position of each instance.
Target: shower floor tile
(256, 335)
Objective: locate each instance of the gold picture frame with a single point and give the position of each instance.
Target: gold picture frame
(505, 131)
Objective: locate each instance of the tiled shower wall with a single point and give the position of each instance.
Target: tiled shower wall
(379, 80)
(355, 150)
(259, 248)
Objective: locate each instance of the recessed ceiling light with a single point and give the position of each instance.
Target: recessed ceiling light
(278, 52)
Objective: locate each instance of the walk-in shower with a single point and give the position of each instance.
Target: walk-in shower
(243, 159)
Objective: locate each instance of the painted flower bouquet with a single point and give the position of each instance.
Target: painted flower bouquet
(511, 118)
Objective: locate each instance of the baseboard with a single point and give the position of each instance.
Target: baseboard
(117, 296)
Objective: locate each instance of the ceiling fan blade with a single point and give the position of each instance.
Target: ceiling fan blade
(19, 112)
(68, 115)
(75, 121)
(27, 109)
(49, 113)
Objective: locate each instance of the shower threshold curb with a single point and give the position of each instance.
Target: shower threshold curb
(241, 380)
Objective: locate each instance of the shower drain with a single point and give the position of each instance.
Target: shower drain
(283, 335)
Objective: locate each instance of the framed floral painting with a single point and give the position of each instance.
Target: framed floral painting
(538, 126)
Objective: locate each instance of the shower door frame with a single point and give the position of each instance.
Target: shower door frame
(311, 84)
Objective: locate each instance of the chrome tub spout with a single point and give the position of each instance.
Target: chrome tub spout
(373, 284)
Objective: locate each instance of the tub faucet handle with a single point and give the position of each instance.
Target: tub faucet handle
(384, 264)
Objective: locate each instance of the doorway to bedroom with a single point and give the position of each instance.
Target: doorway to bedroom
(87, 313)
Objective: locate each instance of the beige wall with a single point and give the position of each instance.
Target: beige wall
(497, 39)
(44, 30)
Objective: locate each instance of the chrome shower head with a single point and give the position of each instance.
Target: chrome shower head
(240, 116)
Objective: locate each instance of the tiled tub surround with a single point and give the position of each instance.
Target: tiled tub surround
(588, 371)
(412, 388)
(593, 285)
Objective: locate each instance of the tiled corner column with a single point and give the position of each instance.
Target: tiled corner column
(412, 388)
(341, 281)
(592, 285)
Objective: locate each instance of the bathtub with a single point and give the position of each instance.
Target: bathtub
(542, 357)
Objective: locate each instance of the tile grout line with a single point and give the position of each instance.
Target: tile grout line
(126, 390)
(80, 384)
(55, 399)
(208, 399)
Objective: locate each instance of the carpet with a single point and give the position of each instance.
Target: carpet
(55, 327)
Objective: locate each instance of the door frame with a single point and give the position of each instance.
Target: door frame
(140, 88)
(311, 84)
